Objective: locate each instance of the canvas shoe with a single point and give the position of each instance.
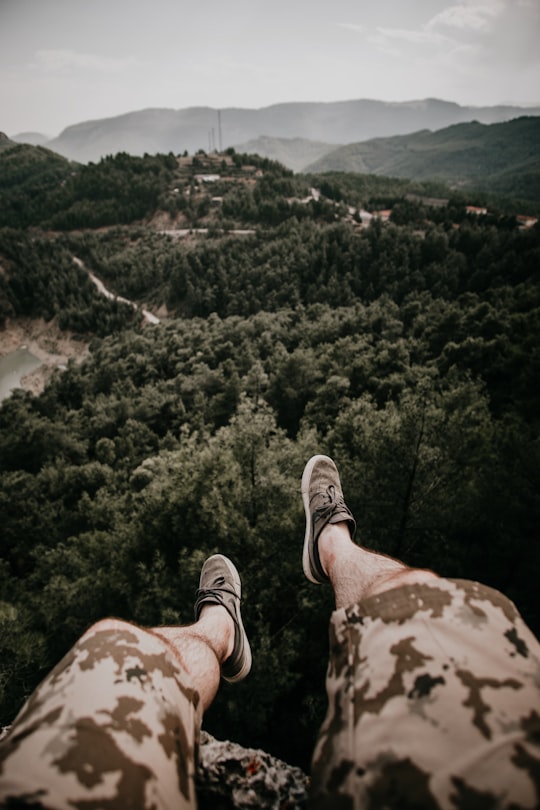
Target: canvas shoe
(220, 585)
(323, 503)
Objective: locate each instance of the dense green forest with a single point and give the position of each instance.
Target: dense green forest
(408, 350)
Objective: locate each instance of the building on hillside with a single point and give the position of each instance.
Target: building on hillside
(207, 178)
(384, 216)
(476, 210)
(526, 222)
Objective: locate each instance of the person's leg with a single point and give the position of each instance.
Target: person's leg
(116, 723)
(432, 683)
(356, 573)
(202, 648)
(330, 554)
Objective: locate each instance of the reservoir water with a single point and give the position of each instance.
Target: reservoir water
(13, 367)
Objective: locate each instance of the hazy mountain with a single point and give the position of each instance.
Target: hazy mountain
(33, 138)
(500, 157)
(336, 123)
(295, 153)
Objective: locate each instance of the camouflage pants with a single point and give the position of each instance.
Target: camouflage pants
(434, 702)
(114, 725)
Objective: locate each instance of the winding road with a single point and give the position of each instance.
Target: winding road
(149, 317)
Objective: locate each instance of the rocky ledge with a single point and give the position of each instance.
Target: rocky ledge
(231, 777)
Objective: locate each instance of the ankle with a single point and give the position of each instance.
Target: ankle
(216, 622)
(333, 544)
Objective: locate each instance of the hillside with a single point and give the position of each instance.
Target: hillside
(228, 191)
(163, 130)
(30, 178)
(502, 157)
(39, 187)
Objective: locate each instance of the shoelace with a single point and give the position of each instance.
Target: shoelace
(332, 505)
(215, 592)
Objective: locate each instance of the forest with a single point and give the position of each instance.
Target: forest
(501, 157)
(408, 350)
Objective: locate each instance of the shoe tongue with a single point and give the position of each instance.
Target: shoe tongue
(344, 516)
(339, 516)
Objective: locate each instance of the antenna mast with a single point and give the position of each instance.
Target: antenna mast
(219, 131)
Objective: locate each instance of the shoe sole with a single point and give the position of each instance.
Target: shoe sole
(246, 666)
(306, 478)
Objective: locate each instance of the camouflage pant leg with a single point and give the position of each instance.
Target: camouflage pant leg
(114, 725)
(434, 702)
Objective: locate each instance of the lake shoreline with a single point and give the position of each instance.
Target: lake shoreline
(52, 346)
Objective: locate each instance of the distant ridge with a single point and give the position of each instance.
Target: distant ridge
(33, 138)
(295, 153)
(334, 123)
(503, 157)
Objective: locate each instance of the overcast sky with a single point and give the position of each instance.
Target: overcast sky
(67, 61)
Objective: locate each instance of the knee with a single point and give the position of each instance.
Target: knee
(108, 626)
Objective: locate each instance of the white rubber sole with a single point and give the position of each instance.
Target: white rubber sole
(306, 477)
(246, 666)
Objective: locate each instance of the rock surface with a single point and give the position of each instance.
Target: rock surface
(231, 777)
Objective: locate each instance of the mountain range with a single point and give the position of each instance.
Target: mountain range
(324, 125)
(497, 158)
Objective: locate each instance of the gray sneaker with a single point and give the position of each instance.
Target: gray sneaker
(323, 503)
(220, 585)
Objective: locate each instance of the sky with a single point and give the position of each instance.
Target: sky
(67, 61)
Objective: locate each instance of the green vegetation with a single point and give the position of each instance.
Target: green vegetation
(28, 177)
(501, 158)
(41, 188)
(41, 280)
(408, 351)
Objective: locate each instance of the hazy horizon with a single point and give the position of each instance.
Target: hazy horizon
(299, 101)
(65, 61)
